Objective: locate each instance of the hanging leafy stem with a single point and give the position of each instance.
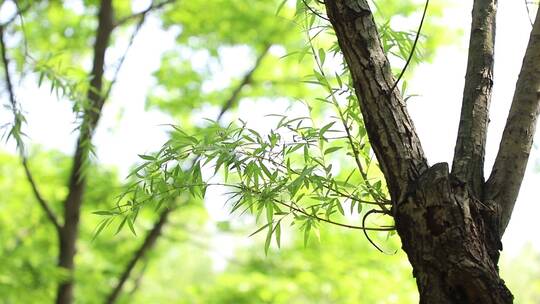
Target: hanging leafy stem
(298, 173)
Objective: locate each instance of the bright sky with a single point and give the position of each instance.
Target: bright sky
(127, 129)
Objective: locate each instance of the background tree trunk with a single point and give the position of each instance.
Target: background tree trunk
(72, 206)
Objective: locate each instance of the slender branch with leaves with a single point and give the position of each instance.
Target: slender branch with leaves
(285, 176)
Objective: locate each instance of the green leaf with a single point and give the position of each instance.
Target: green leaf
(100, 227)
(265, 169)
(259, 230)
(278, 234)
(268, 239)
(322, 55)
(331, 150)
(41, 76)
(326, 128)
(147, 157)
(339, 80)
(307, 229)
(103, 212)
(225, 173)
(340, 208)
(269, 212)
(130, 225)
(280, 6)
(121, 225)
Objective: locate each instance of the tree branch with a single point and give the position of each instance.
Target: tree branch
(138, 280)
(503, 185)
(155, 232)
(389, 126)
(322, 219)
(147, 244)
(77, 181)
(468, 164)
(20, 147)
(245, 81)
(142, 14)
(123, 57)
(42, 202)
(528, 12)
(313, 11)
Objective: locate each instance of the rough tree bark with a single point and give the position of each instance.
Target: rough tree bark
(468, 164)
(504, 182)
(450, 224)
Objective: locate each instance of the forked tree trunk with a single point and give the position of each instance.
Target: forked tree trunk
(451, 241)
(450, 224)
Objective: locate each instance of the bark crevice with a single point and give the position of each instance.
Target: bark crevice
(447, 234)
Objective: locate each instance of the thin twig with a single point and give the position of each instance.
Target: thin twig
(314, 216)
(372, 211)
(314, 11)
(411, 54)
(138, 280)
(142, 14)
(92, 110)
(123, 58)
(5, 62)
(245, 188)
(247, 79)
(42, 202)
(333, 222)
(348, 196)
(23, 29)
(528, 12)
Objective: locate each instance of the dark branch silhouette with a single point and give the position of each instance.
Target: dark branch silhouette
(20, 147)
(77, 180)
(148, 243)
(246, 80)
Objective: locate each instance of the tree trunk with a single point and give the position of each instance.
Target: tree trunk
(68, 233)
(451, 240)
(72, 206)
(450, 233)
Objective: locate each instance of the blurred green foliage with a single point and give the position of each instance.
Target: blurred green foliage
(338, 269)
(341, 268)
(521, 272)
(28, 244)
